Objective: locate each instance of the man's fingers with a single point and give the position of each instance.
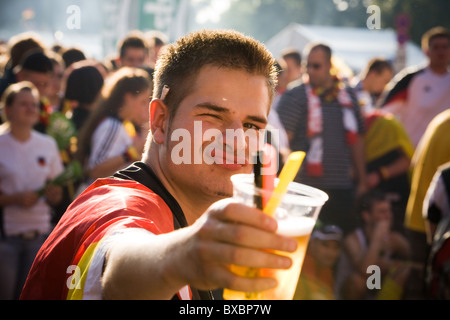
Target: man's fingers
(228, 254)
(248, 236)
(227, 210)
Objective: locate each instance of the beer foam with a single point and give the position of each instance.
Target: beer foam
(295, 226)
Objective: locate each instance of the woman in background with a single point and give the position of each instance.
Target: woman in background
(108, 140)
(28, 160)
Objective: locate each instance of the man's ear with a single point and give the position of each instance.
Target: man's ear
(159, 119)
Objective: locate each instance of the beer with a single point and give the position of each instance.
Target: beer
(296, 214)
(298, 227)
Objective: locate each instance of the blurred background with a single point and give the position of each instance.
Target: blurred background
(348, 26)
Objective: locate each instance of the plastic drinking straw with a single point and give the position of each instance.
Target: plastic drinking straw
(287, 175)
(258, 179)
(269, 172)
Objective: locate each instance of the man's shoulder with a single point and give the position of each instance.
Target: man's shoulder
(294, 94)
(406, 74)
(108, 199)
(299, 88)
(399, 84)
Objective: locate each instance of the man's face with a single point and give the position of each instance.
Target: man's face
(221, 101)
(54, 86)
(133, 57)
(24, 110)
(326, 251)
(39, 79)
(380, 211)
(439, 51)
(377, 81)
(293, 70)
(318, 68)
(136, 108)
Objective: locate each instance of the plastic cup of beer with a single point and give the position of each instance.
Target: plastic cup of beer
(296, 216)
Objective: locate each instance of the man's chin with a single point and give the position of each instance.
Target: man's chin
(224, 195)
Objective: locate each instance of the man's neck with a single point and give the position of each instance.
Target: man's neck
(191, 204)
(327, 84)
(20, 133)
(438, 68)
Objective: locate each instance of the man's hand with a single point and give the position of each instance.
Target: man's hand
(232, 233)
(156, 267)
(28, 199)
(53, 194)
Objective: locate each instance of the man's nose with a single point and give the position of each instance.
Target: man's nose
(235, 136)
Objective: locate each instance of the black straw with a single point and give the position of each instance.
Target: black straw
(258, 180)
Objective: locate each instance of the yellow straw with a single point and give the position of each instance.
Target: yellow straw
(287, 175)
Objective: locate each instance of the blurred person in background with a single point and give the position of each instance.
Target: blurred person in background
(371, 83)
(436, 205)
(28, 160)
(133, 50)
(108, 141)
(373, 243)
(388, 148)
(282, 141)
(316, 280)
(415, 97)
(294, 70)
(54, 92)
(156, 41)
(432, 151)
(82, 90)
(436, 212)
(18, 47)
(37, 68)
(72, 55)
(322, 117)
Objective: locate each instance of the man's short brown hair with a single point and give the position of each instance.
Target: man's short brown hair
(432, 34)
(377, 65)
(181, 62)
(134, 39)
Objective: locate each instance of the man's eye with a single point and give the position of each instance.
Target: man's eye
(251, 126)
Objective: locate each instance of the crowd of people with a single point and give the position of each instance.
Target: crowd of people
(83, 111)
(378, 144)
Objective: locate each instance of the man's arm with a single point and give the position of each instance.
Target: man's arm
(372, 256)
(146, 266)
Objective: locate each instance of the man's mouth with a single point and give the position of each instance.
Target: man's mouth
(228, 160)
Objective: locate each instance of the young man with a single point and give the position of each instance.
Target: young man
(293, 59)
(388, 148)
(158, 229)
(37, 68)
(372, 81)
(133, 51)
